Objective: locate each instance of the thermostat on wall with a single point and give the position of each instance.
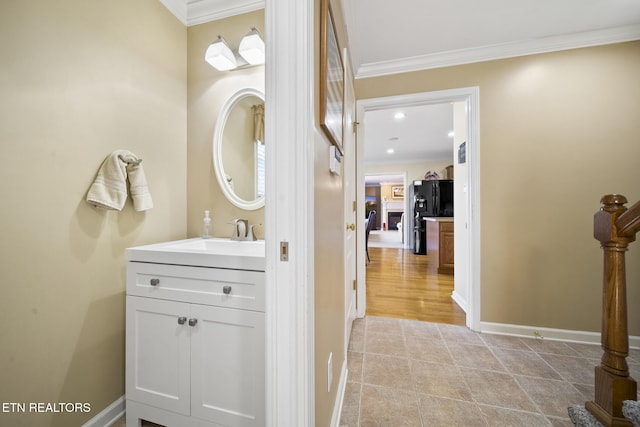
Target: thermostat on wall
(335, 160)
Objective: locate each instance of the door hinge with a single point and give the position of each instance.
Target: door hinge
(354, 206)
(354, 284)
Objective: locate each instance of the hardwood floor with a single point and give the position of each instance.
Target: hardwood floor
(405, 285)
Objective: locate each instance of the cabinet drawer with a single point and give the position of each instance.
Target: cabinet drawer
(202, 285)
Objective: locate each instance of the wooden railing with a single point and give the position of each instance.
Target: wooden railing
(615, 227)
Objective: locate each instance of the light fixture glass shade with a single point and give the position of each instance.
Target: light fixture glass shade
(220, 56)
(252, 48)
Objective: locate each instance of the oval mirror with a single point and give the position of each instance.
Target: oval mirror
(238, 149)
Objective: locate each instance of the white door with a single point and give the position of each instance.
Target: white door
(227, 366)
(157, 353)
(349, 185)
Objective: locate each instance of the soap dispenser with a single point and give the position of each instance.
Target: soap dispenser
(206, 226)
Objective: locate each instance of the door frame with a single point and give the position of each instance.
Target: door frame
(289, 212)
(471, 97)
(349, 187)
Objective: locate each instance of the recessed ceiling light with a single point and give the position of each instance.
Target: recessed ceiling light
(399, 115)
(390, 151)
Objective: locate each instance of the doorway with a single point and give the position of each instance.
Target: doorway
(467, 248)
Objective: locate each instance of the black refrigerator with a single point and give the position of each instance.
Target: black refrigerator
(429, 199)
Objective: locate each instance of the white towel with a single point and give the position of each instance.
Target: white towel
(139, 189)
(109, 189)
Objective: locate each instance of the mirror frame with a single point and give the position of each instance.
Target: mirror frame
(217, 150)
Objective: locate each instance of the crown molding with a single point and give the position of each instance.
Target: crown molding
(178, 8)
(201, 11)
(500, 51)
(194, 12)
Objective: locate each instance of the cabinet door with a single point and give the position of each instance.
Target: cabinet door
(447, 254)
(228, 366)
(157, 353)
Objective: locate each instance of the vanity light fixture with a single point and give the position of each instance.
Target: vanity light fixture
(220, 56)
(251, 52)
(252, 48)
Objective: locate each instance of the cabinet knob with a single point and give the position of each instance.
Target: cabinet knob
(193, 322)
(226, 290)
(182, 320)
(154, 282)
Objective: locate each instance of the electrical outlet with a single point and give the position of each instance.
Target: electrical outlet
(329, 372)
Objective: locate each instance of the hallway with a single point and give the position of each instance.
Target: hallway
(405, 285)
(411, 373)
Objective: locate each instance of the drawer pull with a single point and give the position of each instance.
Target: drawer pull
(192, 322)
(154, 282)
(226, 290)
(182, 320)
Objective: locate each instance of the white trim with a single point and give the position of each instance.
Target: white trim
(201, 11)
(462, 303)
(471, 96)
(361, 255)
(500, 51)
(550, 334)
(109, 415)
(342, 386)
(178, 8)
(194, 12)
(289, 98)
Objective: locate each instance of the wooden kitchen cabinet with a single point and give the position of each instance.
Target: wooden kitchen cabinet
(440, 243)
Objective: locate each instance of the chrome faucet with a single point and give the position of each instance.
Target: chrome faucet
(250, 234)
(239, 229)
(242, 230)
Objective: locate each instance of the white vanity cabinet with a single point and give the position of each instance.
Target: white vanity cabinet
(195, 346)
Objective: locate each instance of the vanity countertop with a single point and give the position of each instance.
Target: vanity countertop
(199, 252)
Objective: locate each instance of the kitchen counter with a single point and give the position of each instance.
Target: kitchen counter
(440, 243)
(438, 218)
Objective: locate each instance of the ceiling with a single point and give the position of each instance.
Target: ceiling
(390, 37)
(422, 133)
(407, 35)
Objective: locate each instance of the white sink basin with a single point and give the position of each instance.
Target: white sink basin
(214, 252)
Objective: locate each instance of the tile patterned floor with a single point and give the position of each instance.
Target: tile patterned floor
(411, 373)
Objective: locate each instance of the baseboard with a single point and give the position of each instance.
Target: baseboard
(337, 407)
(548, 333)
(109, 415)
(462, 303)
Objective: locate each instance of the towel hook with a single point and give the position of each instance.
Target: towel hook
(130, 160)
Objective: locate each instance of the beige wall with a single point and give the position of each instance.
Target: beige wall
(329, 263)
(557, 131)
(78, 80)
(386, 192)
(208, 89)
(414, 171)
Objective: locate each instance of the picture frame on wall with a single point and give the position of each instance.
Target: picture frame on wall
(331, 79)
(397, 192)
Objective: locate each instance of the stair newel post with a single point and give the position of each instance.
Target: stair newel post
(613, 384)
